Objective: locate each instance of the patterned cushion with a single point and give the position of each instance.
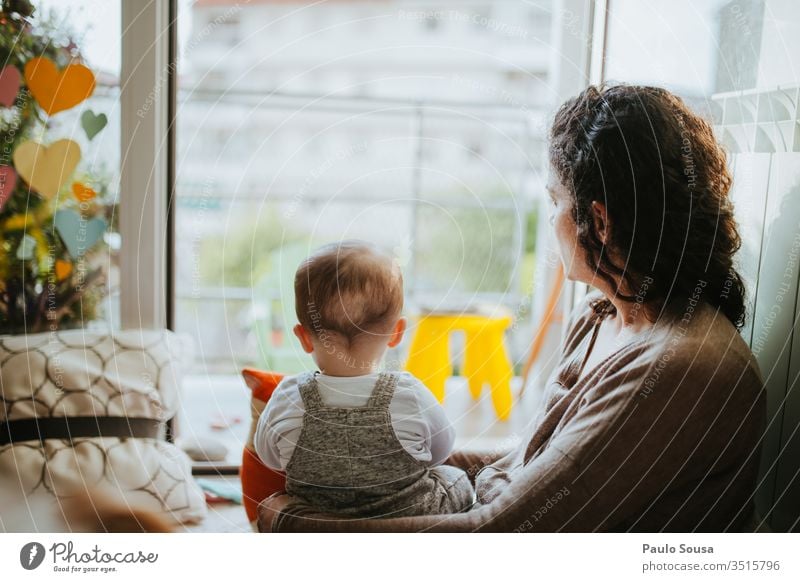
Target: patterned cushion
(133, 373)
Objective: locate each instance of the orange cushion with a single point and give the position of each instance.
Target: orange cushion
(262, 383)
(258, 480)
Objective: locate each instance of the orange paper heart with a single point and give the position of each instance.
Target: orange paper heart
(82, 193)
(63, 269)
(56, 90)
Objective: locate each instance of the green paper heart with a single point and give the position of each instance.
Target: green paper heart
(79, 234)
(93, 123)
(26, 248)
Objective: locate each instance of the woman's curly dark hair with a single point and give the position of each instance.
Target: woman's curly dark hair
(664, 180)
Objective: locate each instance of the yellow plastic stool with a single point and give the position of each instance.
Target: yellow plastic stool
(485, 357)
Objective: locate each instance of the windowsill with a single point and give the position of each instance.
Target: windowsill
(209, 398)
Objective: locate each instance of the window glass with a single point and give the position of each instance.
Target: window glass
(60, 166)
(416, 125)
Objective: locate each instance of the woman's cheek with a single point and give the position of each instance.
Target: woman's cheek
(566, 236)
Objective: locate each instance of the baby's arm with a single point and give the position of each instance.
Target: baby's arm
(442, 433)
(279, 425)
(265, 441)
(443, 437)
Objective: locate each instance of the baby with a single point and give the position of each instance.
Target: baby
(354, 441)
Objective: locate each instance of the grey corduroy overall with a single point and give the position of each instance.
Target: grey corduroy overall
(349, 461)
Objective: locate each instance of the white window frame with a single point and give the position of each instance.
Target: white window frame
(579, 42)
(145, 93)
(592, 61)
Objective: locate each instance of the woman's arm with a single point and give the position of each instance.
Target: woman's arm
(542, 479)
(469, 460)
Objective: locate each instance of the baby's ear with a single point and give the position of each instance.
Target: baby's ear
(397, 333)
(305, 338)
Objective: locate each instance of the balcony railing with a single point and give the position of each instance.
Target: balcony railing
(231, 302)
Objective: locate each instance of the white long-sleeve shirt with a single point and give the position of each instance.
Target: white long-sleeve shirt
(419, 421)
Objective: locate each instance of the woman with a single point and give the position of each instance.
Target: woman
(652, 419)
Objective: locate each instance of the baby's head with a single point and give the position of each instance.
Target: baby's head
(349, 299)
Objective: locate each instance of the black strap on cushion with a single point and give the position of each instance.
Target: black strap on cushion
(39, 429)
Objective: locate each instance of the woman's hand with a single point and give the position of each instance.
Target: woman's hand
(473, 460)
(269, 509)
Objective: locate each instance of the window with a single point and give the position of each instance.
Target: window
(352, 158)
(63, 245)
(695, 49)
(399, 132)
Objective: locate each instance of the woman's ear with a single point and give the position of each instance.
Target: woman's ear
(600, 217)
(305, 338)
(397, 333)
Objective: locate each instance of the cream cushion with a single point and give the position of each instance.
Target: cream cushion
(132, 373)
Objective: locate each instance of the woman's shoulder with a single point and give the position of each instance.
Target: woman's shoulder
(695, 340)
(710, 337)
(700, 348)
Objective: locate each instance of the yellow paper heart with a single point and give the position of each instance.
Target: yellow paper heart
(56, 90)
(82, 193)
(46, 168)
(63, 269)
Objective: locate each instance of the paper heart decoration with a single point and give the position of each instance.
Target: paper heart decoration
(26, 248)
(79, 234)
(46, 168)
(92, 123)
(56, 90)
(82, 193)
(9, 85)
(8, 179)
(63, 269)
